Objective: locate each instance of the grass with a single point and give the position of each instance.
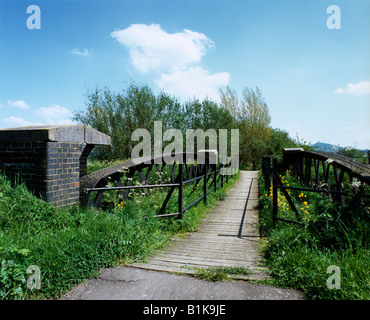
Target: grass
(95, 165)
(220, 273)
(71, 245)
(331, 235)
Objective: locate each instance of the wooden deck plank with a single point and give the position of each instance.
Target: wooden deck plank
(225, 237)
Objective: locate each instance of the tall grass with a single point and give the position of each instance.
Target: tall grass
(331, 234)
(70, 245)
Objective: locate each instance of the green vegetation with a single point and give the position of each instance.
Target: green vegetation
(137, 106)
(70, 245)
(354, 153)
(220, 273)
(298, 256)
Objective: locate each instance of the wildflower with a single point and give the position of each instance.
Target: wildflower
(305, 203)
(356, 183)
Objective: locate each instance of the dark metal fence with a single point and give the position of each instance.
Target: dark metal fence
(187, 173)
(302, 164)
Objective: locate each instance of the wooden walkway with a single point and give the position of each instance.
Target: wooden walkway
(228, 237)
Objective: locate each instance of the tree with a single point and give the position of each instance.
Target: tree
(137, 107)
(351, 152)
(279, 139)
(230, 101)
(118, 115)
(252, 118)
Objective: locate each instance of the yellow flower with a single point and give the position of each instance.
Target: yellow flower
(305, 203)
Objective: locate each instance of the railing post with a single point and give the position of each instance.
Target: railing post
(266, 169)
(205, 178)
(181, 187)
(222, 176)
(215, 176)
(274, 193)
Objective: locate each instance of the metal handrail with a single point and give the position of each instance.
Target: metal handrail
(214, 170)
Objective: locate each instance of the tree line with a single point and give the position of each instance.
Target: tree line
(137, 107)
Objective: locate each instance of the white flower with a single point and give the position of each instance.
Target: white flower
(356, 183)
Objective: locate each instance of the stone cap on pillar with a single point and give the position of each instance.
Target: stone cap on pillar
(62, 133)
(293, 149)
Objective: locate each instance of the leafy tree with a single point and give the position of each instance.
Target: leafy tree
(118, 115)
(137, 107)
(279, 139)
(351, 152)
(230, 101)
(252, 117)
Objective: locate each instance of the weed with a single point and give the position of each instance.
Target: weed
(298, 256)
(220, 273)
(71, 245)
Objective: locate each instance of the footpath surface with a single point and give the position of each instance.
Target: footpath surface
(227, 237)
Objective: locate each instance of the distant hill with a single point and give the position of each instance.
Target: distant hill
(327, 147)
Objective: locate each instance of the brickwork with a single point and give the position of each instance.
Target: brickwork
(51, 169)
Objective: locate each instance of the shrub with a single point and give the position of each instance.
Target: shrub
(298, 256)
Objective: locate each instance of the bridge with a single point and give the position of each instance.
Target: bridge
(52, 159)
(228, 235)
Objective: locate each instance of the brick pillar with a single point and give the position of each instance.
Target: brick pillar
(50, 159)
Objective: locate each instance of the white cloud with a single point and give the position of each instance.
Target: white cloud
(193, 82)
(152, 48)
(357, 88)
(175, 58)
(19, 122)
(55, 115)
(83, 53)
(18, 104)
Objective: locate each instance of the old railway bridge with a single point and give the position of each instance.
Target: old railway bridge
(51, 160)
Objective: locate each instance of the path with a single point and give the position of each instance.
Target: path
(228, 236)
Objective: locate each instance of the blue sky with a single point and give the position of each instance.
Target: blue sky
(315, 80)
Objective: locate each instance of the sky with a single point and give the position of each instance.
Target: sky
(310, 60)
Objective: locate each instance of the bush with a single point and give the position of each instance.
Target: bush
(70, 245)
(298, 256)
